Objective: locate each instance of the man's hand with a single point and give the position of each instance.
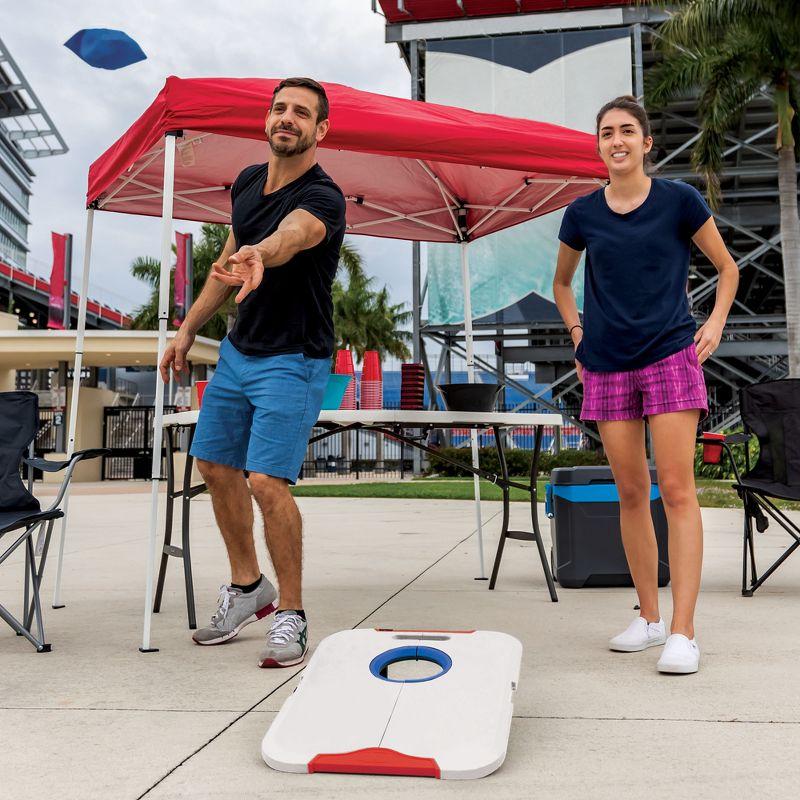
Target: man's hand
(175, 355)
(246, 270)
(708, 337)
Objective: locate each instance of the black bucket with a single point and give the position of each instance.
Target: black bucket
(469, 396)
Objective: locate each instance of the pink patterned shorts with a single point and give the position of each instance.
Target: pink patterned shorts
(675, 383)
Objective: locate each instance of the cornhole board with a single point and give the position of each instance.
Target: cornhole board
(346, 716)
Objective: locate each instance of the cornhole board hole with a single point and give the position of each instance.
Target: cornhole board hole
(354, 712)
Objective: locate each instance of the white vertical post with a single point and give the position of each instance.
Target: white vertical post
(76, 386)
(158, 418)
(473, 435)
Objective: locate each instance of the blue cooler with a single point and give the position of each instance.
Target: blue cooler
(583, 506)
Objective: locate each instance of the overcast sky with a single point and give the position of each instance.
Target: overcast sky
(340, 41)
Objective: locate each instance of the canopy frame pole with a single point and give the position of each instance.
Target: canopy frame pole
(128, 178)
(439, 182)
(465, 279)
(395, 215)
(170, 141)
(182, 193)
(77, 368)
(186, 200)
(508, 199)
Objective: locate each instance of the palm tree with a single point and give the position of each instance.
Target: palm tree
(205, 251)
(730, 51)
(364, 319)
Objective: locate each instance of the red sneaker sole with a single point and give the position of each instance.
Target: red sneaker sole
(270, 663)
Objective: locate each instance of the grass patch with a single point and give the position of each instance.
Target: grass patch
(711, 493)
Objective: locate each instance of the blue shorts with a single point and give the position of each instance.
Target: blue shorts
(258, 411)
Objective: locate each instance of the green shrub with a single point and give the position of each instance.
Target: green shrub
(518, 460)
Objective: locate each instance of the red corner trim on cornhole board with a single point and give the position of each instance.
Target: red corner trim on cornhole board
(416, 630)
(375, 761)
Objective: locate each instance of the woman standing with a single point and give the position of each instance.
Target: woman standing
(639, 356)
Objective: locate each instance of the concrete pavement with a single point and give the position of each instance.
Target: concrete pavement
(95, 718)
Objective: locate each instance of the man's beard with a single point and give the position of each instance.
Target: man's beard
(300, 145)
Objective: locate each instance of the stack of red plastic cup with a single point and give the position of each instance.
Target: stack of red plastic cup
(371, 381)
(344, 366)
(412, 387)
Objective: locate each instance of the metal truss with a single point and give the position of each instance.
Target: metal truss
(23, 118)
(754, 346)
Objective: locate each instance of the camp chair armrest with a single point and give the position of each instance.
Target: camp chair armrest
(738, 438)
(56, 466)
(730, 438)
(80, 455)
(45, 465)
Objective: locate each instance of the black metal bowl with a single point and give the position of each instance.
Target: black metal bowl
(469, 396)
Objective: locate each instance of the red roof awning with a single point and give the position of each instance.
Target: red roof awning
(409, 170)
(429, 10)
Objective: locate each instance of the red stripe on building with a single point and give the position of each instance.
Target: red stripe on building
(41, 285)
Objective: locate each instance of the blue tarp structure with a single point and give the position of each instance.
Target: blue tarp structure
(105, 48)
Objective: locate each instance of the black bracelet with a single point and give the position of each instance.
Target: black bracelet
(573, 328)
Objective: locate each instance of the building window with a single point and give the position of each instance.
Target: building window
(10, 251)
(13, 220)
(10, 184)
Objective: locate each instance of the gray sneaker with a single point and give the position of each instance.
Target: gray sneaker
(286, 641)
(235, 610)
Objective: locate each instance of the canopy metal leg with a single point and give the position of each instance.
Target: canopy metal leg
(473, 434)
(158, 419)
(76, 385)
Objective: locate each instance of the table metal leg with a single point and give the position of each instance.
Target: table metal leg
(185, 530)
(166, 549)
(183, 552)
(506, 507)
(535, 514)
(535, 535)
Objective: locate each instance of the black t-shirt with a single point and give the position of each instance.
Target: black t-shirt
(635, 306)
(292, 310)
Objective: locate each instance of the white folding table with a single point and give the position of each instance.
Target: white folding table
(391, 422)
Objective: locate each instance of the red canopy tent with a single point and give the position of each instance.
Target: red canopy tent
(409, 170)
(405, 166)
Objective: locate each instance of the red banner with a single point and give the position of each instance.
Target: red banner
(180, 278)
(55, 317)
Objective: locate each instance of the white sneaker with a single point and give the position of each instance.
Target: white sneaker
(639, 635)
(681, 655)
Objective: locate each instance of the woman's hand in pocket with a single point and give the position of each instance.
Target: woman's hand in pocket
(576, 334)
(708, 337)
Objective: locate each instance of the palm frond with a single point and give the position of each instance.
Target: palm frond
(678, 74)
(351, 262)
(146, 269)
(703, 23)
(707, 161)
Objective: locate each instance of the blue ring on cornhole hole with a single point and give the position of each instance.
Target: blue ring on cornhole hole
(380, 663)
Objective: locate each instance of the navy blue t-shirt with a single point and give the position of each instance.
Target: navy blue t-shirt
(292, 310)
(635, 305)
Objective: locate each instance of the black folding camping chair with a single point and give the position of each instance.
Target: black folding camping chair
(20, 512)
(771, 412)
